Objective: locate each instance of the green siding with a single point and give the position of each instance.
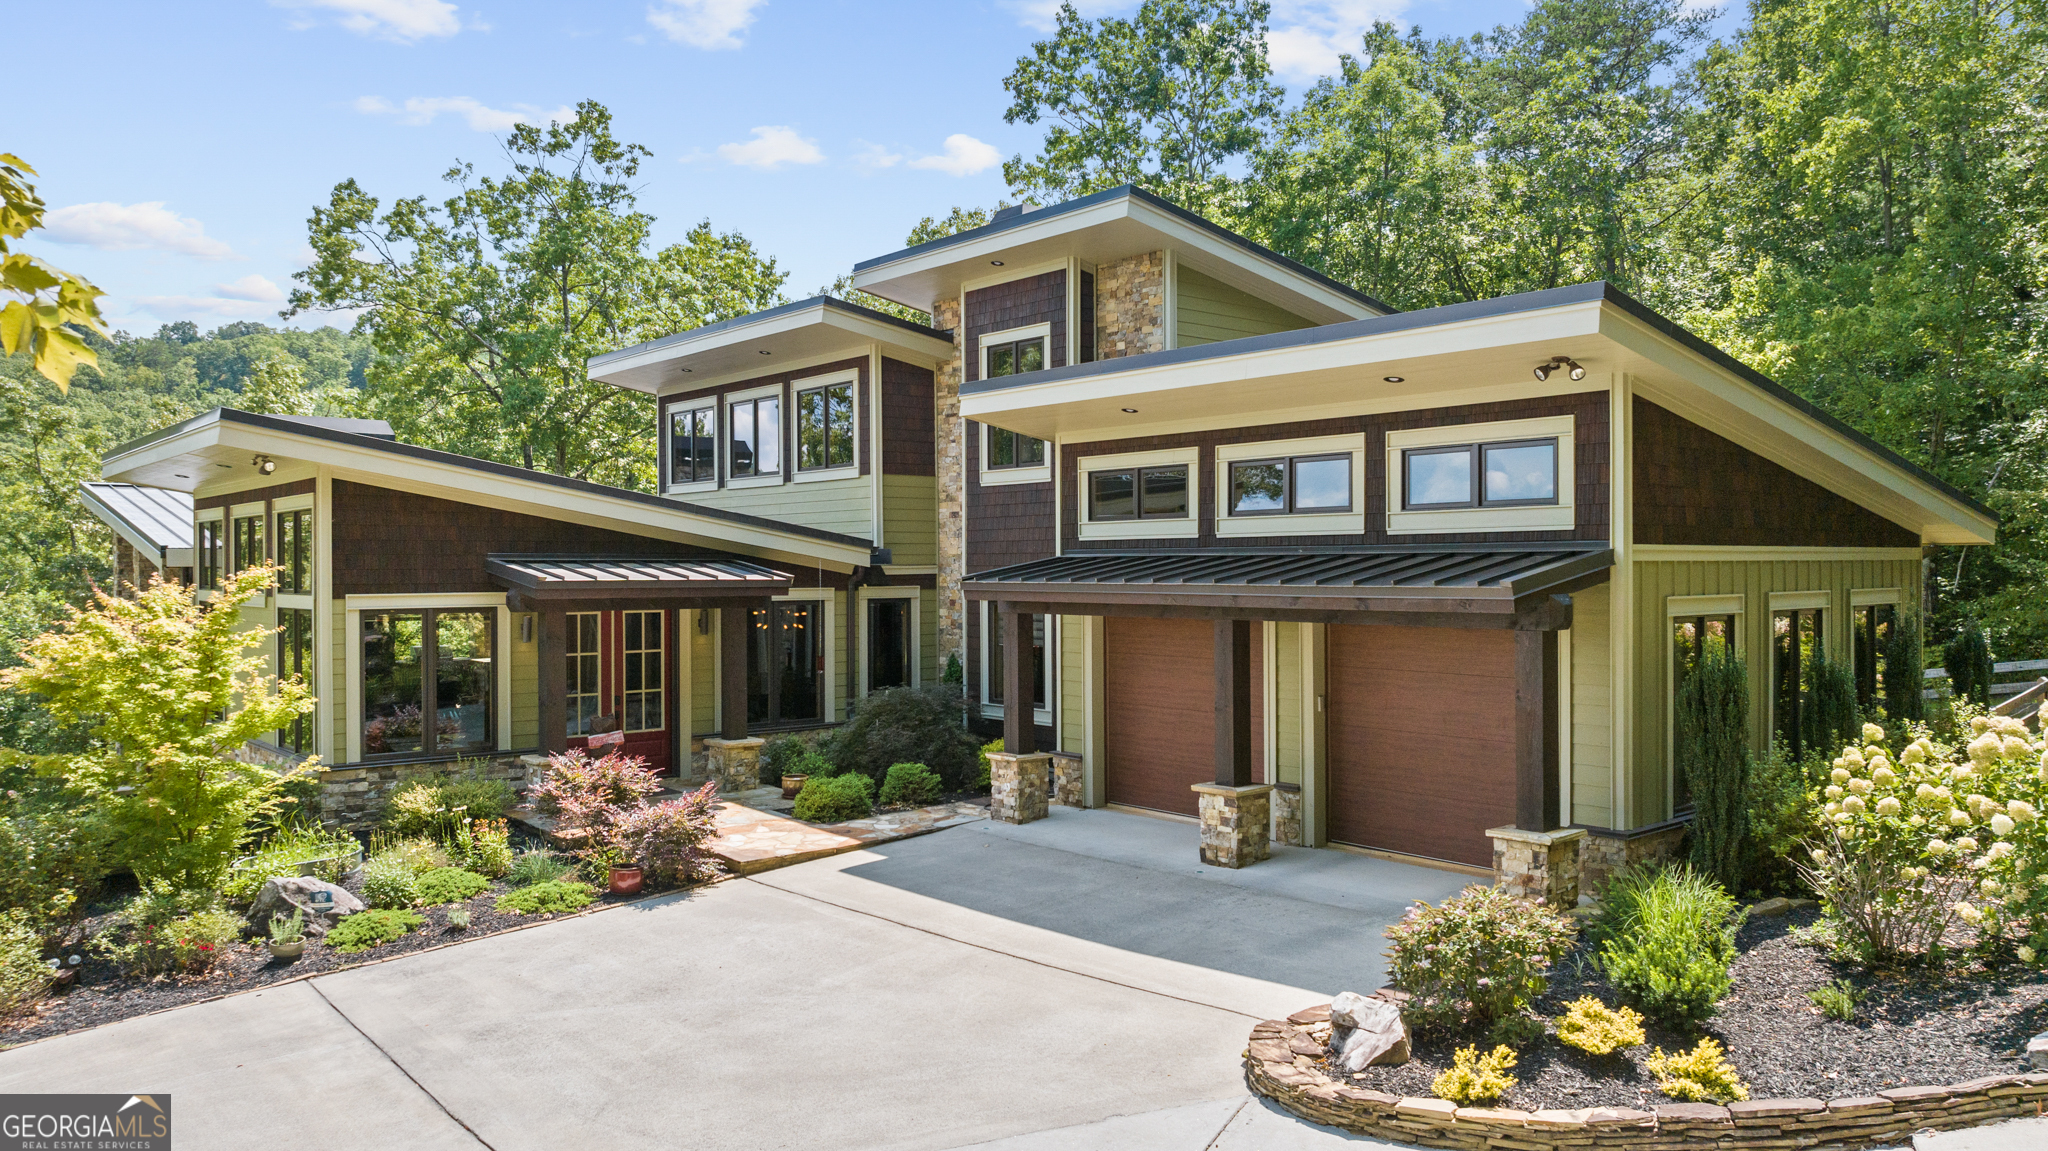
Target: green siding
(523, 665)
(704, 677)
(845, 506)
(338, 685)
(1073, 697)
(1206, 311)
(1286, 717)
(910, 519)
(1592, 717)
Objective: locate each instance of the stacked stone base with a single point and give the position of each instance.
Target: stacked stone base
(1287, 815)
(734, 763)
(1281, 1063)
(1539, 865)
(353, 799)
(1236, 823)
(1016, 786)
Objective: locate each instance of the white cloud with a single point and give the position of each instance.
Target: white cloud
(707, 24)
(874, 156)
(402, 20)
(421, 110)
(252, 287)
(1040, 15)
(964, 156)
(184, 307)
(125, 227)
(1308, 35)
(773, 146)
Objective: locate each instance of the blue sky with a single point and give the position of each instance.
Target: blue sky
(181, 146)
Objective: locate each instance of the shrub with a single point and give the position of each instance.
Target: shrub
(292, 843)
(485, 847)
(450, 885)
(391, 876)
(24, 977)
(588, 796)
(1837, 1000)
(925, 725)
(54, 848)
(953, 674)
(373, 928)
(910, 783)
(1712, 747)
(1480, 957)
(981, 769)
(834, 799)
(667, 839)
(1780, 818)
(1474, 1079)
(441, 809)
(1830, 717)
(1967, 659)
(166, 930)
(531, 867)
(812, 764)
(170, 691)
(1905, 662)
(779, 756)
(1667, 941)
(1697, 1076)
(458, 918)
(552, 896)
(1597, 1029)
(288, 928)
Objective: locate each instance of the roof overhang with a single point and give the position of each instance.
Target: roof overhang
(1468, 354)
(1099, 229)
(809, 331)
(151, 535)
(215, 448)
(571, 582)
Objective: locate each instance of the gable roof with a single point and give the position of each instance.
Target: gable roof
(787, 333)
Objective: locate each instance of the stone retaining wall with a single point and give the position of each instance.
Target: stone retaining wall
(353, 798)
(1281, 1064)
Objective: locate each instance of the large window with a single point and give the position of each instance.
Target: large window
(295, 660)
(786, 664)
(1873, 626)
(824, 427)
(1692, 638)
(1007, 449)
(586, 698)
(209, 554)
(1296, 484)
(295, 552)
(1138, 493)
(248, 542)
(889, 643)
(427, 682)
(756, 436)
(1796, 642)
(1513, 473)
(692, 445)
(994, 679)
(644, 686)
(1013, 357)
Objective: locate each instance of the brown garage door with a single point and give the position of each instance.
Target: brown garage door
(1159, 697)
(1421, 727)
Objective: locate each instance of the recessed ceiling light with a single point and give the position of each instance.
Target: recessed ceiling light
(997, 263)
(230, 467)
(181, 475)
(1131, 411)
(1393, 379)
(689, 369)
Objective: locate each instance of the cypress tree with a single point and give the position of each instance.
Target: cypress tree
(1713, 751)
(1967, 658)
(1830, 719)
(1905, 666)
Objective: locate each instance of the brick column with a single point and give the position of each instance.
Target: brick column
(1234, 823)
(1541, 865)
(1016, 792)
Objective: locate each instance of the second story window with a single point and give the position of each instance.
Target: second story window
(692, 444)
(208, 553)
(1295, 484)
(756, 437)
(1014, 357)
(248, 542)
(1138, 493)
(295, 552)
(1515, 473)
(1007, 449)
(824, 427)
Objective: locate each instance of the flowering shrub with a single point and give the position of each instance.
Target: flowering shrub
(1474, 1078)
(667, 839)
(1480, 957)
(484, 846)
(166, 930)
(1597, 1029)
(1915, 843)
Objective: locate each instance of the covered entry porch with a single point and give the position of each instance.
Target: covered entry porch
(1423, 685)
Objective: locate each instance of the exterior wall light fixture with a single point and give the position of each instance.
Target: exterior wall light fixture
(264, 464)
(1570, 365)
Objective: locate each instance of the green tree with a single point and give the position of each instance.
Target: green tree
(1712, 747)
(1166, 100)
(49, 301)
(169, 691)
(486, 307)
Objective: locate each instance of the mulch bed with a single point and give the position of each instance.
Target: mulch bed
(1912, 1027)
(102, 994)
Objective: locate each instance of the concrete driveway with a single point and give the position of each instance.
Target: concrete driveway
(1076, 983)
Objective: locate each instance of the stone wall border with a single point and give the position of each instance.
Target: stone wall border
(1280, 1064)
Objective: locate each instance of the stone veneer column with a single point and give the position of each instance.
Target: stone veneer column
(1016, 786)
(1541, 865)
(1067, 787)
(1234, 823)
(1130, 306)
(949, 455)
(735, 763)
(1287, 816)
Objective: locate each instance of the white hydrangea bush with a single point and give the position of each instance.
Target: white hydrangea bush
(1918, 838)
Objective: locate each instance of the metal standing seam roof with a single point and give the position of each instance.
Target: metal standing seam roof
(1452, 572)
(601, 574)
(161, 516)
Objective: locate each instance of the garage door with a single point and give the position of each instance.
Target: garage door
(1421, 725)
(1159, 703)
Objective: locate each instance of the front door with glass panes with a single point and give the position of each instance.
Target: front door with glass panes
(618, 684)
(786, 664)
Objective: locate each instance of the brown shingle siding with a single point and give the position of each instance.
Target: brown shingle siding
(1040, 299)
(907, 425)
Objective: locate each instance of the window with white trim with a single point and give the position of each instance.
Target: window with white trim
(1008, 449)
(1013, 357)
(1291, 485)
(693, 444)
(208, 554)
(1150, 493)
(824, 426)
(755, 447)
(1513, 473)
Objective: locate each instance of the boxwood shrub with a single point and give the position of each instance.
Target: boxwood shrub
(832, 799)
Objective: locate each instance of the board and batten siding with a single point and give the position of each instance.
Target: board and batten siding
(1208, 311)
(335, 692)
(1285, 677)
(1073, 694)
(1592, 715)
(523, 665)
(1837, 572)
(845, 506)
(910, 519)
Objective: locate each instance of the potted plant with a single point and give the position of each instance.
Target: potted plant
(791, 784)
(288, 936)
(623, 875)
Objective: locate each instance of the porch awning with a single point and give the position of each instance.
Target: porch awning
(583, 580)
(1304, 583)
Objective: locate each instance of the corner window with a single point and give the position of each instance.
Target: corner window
(1139, 493)
(1296, 484)
(1007, 449)
(692, 445)
(756, 437)
(1514, 473)
(209, 553)
(295, 552)
(428, 680)
(248, 542)
(1014, 357)
(824, 427)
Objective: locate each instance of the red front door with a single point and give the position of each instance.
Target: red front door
(620, 697)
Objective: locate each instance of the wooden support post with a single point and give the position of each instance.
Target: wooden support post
(1536, 736)
(734, 622)
(1234, 702)
(1019, 738)
(554, 680)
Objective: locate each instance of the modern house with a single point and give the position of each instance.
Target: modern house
(1235, 540)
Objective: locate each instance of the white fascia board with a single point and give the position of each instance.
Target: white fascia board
(1733, 408)
(860, 332)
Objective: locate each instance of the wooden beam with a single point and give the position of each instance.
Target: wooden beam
(553, 627)
(1536, 736)
(734, 623)
(1019, 736)
(1233, 702)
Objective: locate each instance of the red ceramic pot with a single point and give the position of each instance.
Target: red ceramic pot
(625, 881)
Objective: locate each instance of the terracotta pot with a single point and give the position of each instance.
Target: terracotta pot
(625, 881)
(791, 784)
(287, 951)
